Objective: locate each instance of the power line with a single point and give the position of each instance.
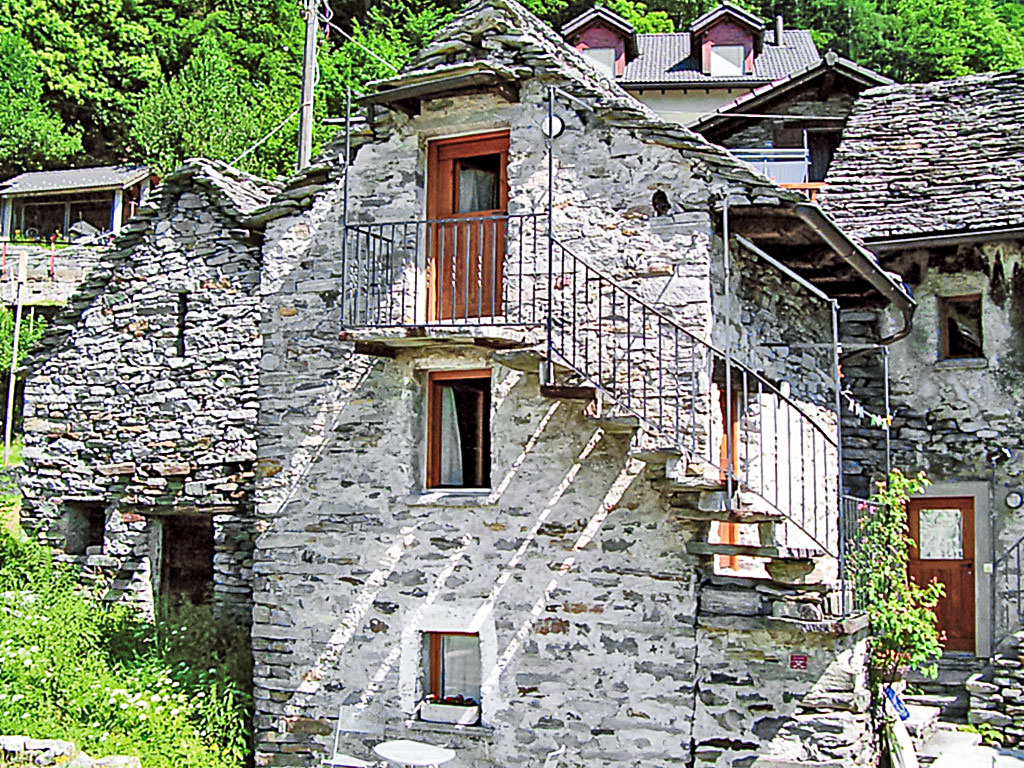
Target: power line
(259, 143)
(358, 44)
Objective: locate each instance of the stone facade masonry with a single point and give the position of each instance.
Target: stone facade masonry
(573, 567)
(958, 420)
(143, 401)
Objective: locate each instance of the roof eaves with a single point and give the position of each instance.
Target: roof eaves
(726, 9)
(598, 13)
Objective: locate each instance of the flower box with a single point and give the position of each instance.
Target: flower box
(453, 714)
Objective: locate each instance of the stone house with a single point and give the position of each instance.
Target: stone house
(928, 177)
(140, 407)
(569, 474)
(789, 129)
(722, 56)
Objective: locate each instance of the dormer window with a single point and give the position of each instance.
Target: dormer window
(604, 58)
(727, 60)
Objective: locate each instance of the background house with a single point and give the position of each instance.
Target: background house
(682, 76)
(929, 177)
(789, 129)
(38, 204)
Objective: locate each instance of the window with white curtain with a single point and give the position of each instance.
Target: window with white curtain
(451, 665)
(459, 430)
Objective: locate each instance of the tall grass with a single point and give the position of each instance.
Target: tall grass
(174, 692)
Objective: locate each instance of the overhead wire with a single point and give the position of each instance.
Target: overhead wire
(324, 16)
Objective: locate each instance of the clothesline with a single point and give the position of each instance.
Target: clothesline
(856, 408)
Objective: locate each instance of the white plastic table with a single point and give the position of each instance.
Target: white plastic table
(414, 753)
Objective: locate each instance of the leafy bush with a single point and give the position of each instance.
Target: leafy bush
(174, 692)
(903, 629)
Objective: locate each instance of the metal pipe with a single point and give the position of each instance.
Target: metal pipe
(839, 417)
(728, 353)
(550, 373)
(344, 198)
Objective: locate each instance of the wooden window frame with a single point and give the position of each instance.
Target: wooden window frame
(944, 305)
(434, 420)
(435, 670)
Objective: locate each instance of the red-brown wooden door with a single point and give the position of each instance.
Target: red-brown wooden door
(943, 529)
(467, 187)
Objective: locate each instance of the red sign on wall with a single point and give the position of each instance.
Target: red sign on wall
(798, 661)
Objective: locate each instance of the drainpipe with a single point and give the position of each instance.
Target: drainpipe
(549, 374)
(727, 427)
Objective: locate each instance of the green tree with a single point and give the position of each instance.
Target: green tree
(212, 108)
(31, 134)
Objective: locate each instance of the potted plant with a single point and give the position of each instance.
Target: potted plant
(454, 710)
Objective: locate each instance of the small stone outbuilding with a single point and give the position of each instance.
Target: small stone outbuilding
(140, 409)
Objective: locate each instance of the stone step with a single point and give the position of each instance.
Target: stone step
(947, 704)
(946, 737)
(712, 504)
(922, 720)
(706, 549)
(568, 392)
(617, 423)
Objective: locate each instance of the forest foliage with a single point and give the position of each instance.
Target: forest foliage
(91, 82)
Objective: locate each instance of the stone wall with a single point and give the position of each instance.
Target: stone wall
(997, 695)
(572, 568)
(958, 420)
(142, 401)
(779, 681)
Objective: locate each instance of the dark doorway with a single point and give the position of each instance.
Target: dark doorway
(186, 567)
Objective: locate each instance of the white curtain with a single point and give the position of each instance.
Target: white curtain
(451, 442)
(461, 664)
(477, 190)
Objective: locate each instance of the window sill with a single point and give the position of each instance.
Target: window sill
(473, 731)
(451, 497)
(962, 364)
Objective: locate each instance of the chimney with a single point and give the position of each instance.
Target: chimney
(778, 29)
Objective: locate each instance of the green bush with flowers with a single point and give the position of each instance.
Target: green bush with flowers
(173, 692)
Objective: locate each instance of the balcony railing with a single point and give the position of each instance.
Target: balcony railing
(783, 165)
(481, 270)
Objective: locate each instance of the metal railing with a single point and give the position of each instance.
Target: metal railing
(767, 449)
(852, 513)
(483, 270)
(1007, 593)
(688, 393)
(788, 165)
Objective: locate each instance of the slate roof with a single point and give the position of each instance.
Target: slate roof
(933, 158)
(666, 59)
(104, 177)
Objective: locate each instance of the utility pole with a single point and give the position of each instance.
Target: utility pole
(308, 74)
(9, 423)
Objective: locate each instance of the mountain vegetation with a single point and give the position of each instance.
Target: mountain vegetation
(156, 81)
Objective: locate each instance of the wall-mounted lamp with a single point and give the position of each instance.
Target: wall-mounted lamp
(1014, 500)
(553, 127)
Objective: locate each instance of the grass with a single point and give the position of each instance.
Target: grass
(174, 692)
(10, 497)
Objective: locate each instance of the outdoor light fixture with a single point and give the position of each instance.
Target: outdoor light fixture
(1014, 500)
(553, 126)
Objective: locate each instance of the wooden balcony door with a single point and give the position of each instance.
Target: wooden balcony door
(943, 530)
(467, 189)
